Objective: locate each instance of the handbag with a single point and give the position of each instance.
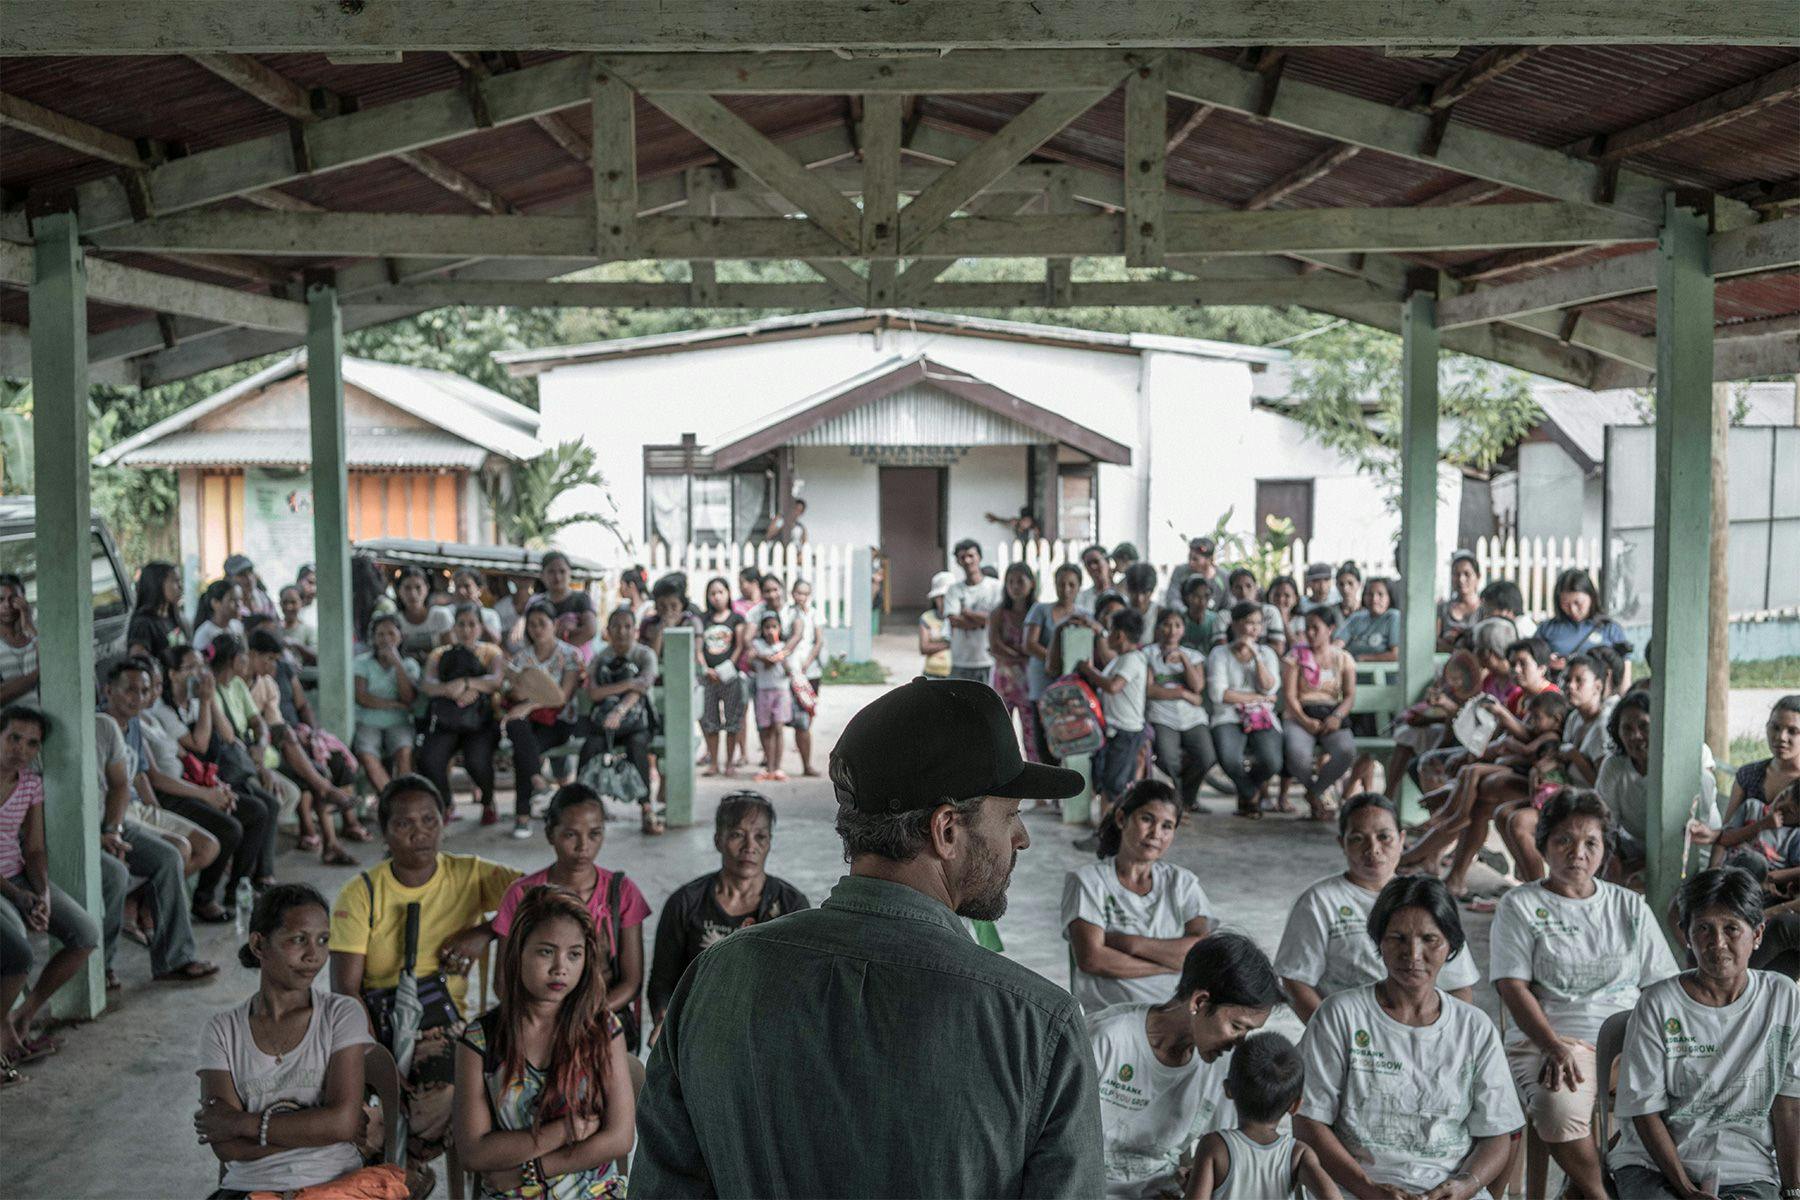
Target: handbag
(199, 772)
(434, 989)
(1256, 717)
(614, 775)
(444, 715)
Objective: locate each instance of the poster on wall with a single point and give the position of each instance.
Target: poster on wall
(278, 523)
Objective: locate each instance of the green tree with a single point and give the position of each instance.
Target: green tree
(521, 501)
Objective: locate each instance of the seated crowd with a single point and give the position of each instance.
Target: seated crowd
(1399, 1087)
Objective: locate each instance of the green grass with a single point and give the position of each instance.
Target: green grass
(1771, 673)
(1745, 750)
(841, 670)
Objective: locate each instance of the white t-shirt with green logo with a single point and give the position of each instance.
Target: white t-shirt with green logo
(1407, 1101)
(1327, 946)
(1094, 894)
(1584, 959)
(1150, 1114)
(1713, 1074)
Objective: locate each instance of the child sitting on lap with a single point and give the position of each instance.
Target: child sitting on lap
(1256, 1161)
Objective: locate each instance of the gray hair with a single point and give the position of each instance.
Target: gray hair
(899, 837)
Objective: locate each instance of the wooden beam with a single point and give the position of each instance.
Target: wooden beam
(253, 269)
(208, 176)
(881, 132)
(1469, 191)
(1506, 262)
(1462, 148)
(1461, 84)
(563, 134)
(1146, 144)
(131, 287)
(614, 161)
(1195, 118)
(1772, 246)
(453, 180)
(786, 73)
(21, 114)
(279, 201)
(100, 27)
(740, 142)
(1320, 166)
(1397, 230)
(1730, 105)
(264, 82)
(989, 160)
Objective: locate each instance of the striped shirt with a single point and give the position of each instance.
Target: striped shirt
(27, 792)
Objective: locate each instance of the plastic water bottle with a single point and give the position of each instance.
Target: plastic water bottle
(244, 901)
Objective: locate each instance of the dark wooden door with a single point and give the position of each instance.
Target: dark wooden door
(912, 531)
(1290, 498)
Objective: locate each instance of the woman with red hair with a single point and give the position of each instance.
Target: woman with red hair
(544, 1102)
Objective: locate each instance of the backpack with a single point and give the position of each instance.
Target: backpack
(1071, 718)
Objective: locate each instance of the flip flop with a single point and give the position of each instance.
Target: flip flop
(337, 856)
(137, 935)
(211, 915)
(192, 971)
(359, 834)
(9, 1075)
(34, 1048)
(308, 841)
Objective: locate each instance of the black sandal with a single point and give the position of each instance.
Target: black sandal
(9, 1074)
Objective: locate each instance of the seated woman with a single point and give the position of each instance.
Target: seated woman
(533, 729)
(156, 622)
(1283, 596)
(281, 1075)
(29, 901)
(1132, 917)
(1163, 1061)
(386, 689)
(1568, 953)
(1240, 587)
(1407, 1092)
(1579, 624)
(239, 722)
(1752, 826)
(1325, 948)
(313, 759)
(462, 680)
(544, 1102)
(217, 612)
(739, 894)
(423, 626)
(1243, 679)
(1709, 1076)
(620, 676)
(1624, 783)
(575, 827)
(1575, 761)
(1176, 709)
(1318, 684)
(452, 895)
(1372, 632)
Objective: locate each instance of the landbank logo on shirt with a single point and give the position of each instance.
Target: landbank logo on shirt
(1677, 1044)
(1346, 912)
(1125, 1073)
(1122, 1093)
(1367, 1057)
(1362, 1039)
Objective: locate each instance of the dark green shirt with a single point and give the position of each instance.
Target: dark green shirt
(869, 1048)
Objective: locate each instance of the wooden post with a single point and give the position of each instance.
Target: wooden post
(677, 761)
(1078, 644)
(59, 378)
(1418, 489)
(1718, 626)
(331, 506)
(1683, 540)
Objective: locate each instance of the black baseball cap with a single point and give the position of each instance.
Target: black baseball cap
(934, 740)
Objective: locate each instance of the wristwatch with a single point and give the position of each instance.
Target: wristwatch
(116, 830)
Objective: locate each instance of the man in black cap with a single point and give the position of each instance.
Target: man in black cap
(869, 1047)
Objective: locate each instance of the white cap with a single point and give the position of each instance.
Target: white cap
(940, 583)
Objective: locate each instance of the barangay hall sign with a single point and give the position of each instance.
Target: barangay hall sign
(908, 456)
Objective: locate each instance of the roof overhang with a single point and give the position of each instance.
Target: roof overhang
(783, 426)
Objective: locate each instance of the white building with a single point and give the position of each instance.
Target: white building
(906, 429)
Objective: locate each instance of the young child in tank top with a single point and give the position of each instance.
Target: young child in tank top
(1256, 1161)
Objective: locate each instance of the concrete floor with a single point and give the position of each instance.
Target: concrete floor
(110, 1116)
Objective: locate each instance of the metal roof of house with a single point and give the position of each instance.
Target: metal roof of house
(470, 423)
(854, 411)
(856, 320)
(1576, 419)
(363, 448)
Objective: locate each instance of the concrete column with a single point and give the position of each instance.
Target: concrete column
(1077, 644)
(331, 506)
(677, 672)
(862, 604)
(1683, 540)
(1418, 489)
(59, 380)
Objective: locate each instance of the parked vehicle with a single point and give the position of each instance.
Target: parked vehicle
(111, 590)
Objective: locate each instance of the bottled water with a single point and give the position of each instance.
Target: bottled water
(244, 901)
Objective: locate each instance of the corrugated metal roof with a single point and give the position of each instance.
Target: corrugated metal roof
(407, 448)
(920, 414)
(463, 410)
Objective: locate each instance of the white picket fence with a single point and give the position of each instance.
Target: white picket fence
(1533, 563)
(828, 568)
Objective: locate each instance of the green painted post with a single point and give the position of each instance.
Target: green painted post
(678, 673)
(331, 508)
(1418, 490)
(1078, 644)
(59, 380)
(1683, 540)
